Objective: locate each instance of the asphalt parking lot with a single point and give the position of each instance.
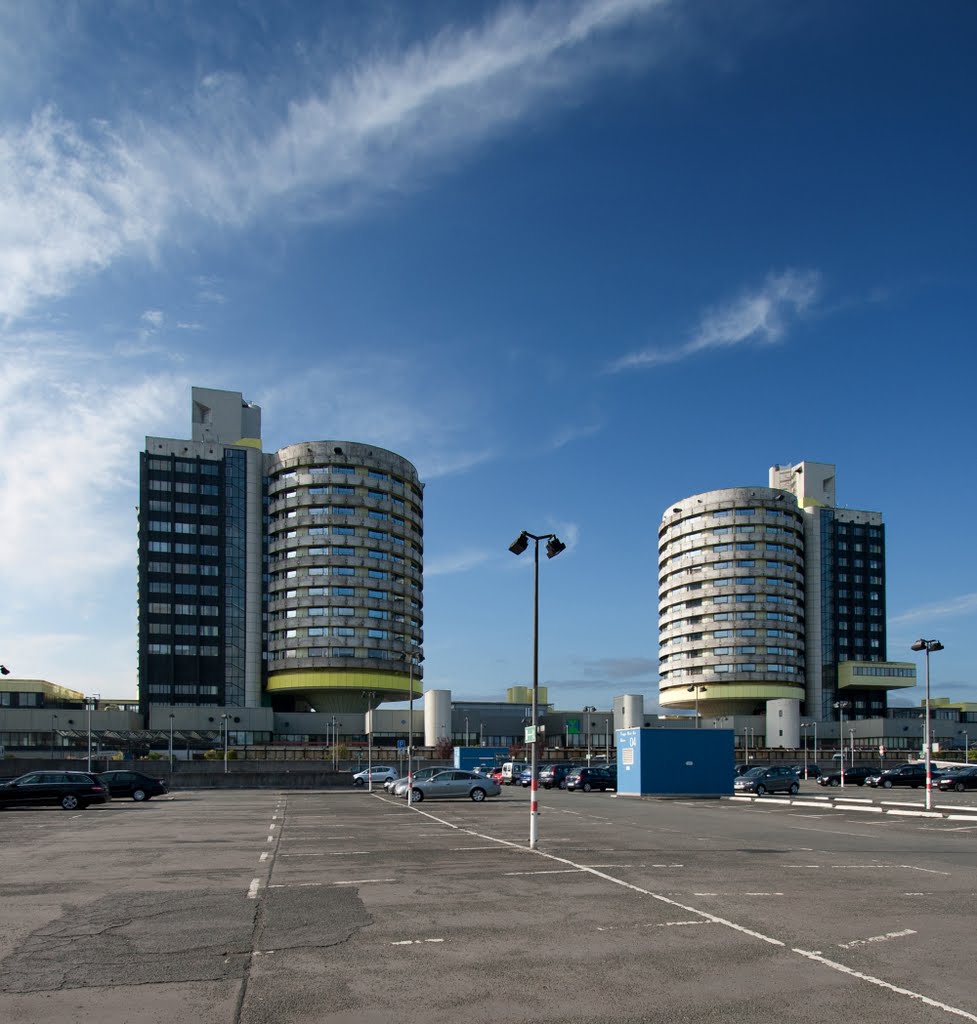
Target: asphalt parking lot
(222, 907)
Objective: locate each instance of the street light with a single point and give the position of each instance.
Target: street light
(171, 748)
(928, 646)
(696, 690)
(224, 719)
(851, 745)
(553, 547)
(370, 695)
(588, 708)
(807, 725)
(89, 703)
(841, 705)
(466, 730)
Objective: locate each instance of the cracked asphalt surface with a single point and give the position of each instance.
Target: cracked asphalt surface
(253, 907)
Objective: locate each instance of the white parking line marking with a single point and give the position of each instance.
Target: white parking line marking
(561, 871)
(253, 889)
(264, 856)
(884, 984)
(307, 885)
(651, 924)
(270, 839)
(808, 954)
(327, 853)
(877, 938)
(414, 942)
(457, 849)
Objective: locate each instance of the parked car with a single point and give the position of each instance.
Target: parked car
(587, 779)
(551, 775)
(913, 775)
(769, 779)
(744, 766)
(496, 775)
(454, 782)
(511, 771)
(70, 790)
(856, 776)
(959, 779)
(813, 771)
(399, 786)
(135, 784)
(379, 772)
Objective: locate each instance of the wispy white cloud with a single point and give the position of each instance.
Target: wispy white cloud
(569, 434)
(965, 604)
(759, 317)
(63, 487)
(459, 561)
(79, 197)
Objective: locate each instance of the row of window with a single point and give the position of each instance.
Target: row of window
(373, 634)
(781, 634)
(165, 608)
(183, 589)
(750, 545)
(185, 569)
(184, 688)
(166, 526)
(185, 466)
(183, 487)
(375, 653)
(343, 570)
(873, 549)
(339, 489)
(183, 508)
(162, 547)
(332, 611)
(720, 652)
(723, 616)
(335, 550)
(203, 651)
(900, 673)
(182, 629)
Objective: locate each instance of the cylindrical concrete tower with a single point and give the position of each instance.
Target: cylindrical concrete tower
(731, 601)
(345, 558)
(437, 716)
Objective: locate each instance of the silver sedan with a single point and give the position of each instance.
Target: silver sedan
(455, 783)
(399, 786)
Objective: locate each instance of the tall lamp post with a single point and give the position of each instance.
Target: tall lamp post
(171, 747)
(808, 725)
(928, 646)
(841, 705)
(224, 719)
(370, 697)
(588, 709)
(697, 690)
(89, 705)
(553, 547)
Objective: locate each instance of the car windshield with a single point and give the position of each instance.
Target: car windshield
(753, 772)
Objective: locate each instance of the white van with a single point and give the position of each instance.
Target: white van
(511, 771)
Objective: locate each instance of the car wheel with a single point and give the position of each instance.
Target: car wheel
(563, 784)
(761, 789)
(357, 782)
(70, 802)
(478, 795)
(835, 782)
(915, 785)
(139, 795)
(417, 796)
(887, 783)
(959, 787)
(586, 787)
(794, 788)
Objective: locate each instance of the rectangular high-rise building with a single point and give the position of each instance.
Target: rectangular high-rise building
(200, 559)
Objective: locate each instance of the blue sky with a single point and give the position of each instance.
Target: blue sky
(574, 260)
